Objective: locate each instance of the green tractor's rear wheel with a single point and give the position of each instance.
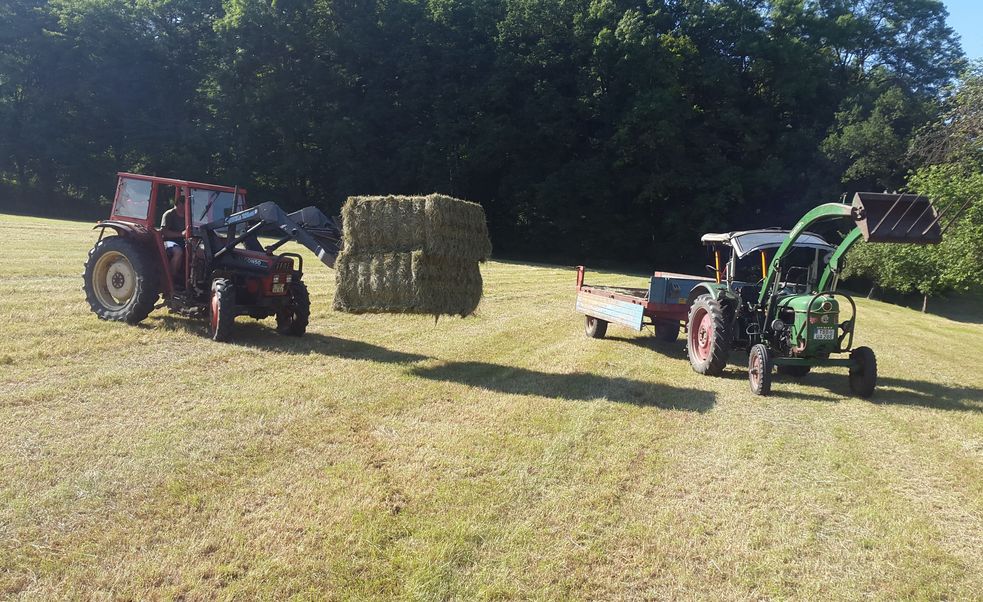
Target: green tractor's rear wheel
(666, 331)
(120, 280)
(863, 372)
(794, 371)
(292, 320)
(708, 338)
(595, 328)
(221, 310)
(759, 370)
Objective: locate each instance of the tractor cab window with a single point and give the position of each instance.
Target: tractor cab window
(132, 198)
(166, 195)
(799, 268)
(208, 206)
(211, 205)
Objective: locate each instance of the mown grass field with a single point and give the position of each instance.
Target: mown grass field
(504, 456)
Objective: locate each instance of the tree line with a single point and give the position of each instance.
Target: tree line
(590, 130)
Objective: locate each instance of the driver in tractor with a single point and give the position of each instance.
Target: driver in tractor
(172, 230)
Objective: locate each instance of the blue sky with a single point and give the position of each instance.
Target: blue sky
(966, 17)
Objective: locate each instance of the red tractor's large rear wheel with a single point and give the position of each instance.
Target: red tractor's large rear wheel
(221, 310)
(293, 319)
(121, 280)
(708, 338)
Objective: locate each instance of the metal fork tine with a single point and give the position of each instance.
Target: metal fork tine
(928, 206)
(896, 201)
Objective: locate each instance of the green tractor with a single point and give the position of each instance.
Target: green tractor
(790, 317)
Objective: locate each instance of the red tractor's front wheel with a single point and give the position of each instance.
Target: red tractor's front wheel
(708, 338)
(221, 310)
(293, 318)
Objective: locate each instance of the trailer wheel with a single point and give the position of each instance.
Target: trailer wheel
(863, 372)
(595, 328)
(293, 319)
(221, 310)
(120, 280)
(666, 331)
(794, 371)
(759, 370)
(708, 338)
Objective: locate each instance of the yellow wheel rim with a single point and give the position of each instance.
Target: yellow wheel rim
(114, 280)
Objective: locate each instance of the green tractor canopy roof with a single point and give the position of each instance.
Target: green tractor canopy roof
(748, 241)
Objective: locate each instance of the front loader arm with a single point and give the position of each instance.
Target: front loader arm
(879, 217)
(822, 212)
(309, 226)
(831, 274)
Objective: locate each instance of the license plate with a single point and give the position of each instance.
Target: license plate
(824, 334)
(278, 288)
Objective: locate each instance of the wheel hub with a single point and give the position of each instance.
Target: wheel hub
(755, 372)
(114, 280)
(703, 337)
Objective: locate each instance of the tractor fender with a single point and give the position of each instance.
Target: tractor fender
(122, 228)
(143, 235)
(719, 292)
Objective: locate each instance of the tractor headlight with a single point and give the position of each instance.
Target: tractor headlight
(778, 326)
(826, 306)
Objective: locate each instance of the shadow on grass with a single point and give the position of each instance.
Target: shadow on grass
(261, 334)
(675, 349)
(902, 391)
(577, 386)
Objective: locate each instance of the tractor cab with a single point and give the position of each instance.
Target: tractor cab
(751, 252)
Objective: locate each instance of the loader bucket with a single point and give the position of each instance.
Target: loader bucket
(897, 218)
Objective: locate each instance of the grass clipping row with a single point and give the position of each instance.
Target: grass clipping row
(411, 254)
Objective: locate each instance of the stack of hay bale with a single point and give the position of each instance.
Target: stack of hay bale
(411, 254)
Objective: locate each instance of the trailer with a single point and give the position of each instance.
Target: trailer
(664, 305)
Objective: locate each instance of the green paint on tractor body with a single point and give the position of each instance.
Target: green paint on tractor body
(812, 322)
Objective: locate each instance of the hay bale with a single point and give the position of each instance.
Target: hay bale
(435, 224)
(410, 282)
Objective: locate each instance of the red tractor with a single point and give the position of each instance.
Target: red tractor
(216, 267)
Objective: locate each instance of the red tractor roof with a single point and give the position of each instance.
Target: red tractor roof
(173, 182)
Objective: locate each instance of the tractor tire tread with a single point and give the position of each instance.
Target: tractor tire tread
(146, 285)
(863, 376)
(720, 349)
(293, 320)
(221, 330)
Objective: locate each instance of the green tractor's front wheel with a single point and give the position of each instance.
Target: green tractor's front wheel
(863, 372)
(120, 280)
(759, 370)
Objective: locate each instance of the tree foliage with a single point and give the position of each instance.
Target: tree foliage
(588, 128)
(952, 177)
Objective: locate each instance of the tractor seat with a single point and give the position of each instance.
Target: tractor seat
(749, 293)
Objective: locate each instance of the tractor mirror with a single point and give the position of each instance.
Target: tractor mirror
(901, 218)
